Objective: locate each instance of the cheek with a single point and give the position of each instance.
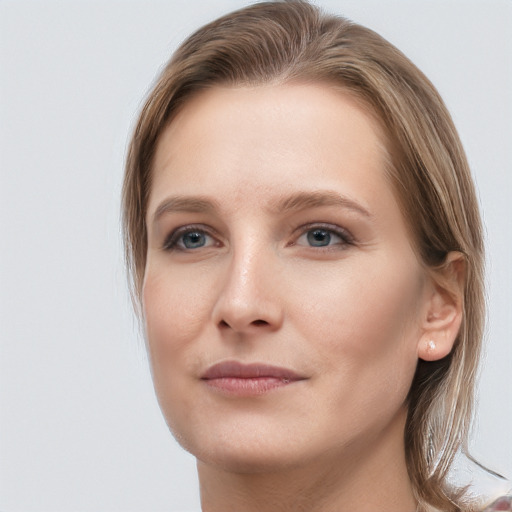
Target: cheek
(366, 316)
(174, 311)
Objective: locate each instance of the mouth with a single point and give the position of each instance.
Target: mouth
(238, 379)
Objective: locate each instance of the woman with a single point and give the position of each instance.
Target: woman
(307, 256)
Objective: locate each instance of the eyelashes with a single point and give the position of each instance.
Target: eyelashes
(189, 238)
(327, 236)
(317, 236)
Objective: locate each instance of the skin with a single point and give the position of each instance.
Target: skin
(351, 317)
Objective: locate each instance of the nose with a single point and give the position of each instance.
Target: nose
(249, 300)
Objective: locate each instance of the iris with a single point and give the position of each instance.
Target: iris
(194, 239)
(319, 237)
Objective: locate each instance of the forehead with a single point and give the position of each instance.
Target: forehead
(275, 133)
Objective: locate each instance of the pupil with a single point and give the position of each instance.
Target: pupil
(319, 237)
(193, 240)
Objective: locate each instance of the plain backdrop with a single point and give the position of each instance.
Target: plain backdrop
(80, 429)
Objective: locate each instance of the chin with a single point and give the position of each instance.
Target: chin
(248, 461)
(245, 450)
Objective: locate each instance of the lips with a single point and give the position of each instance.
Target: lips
(234, 378)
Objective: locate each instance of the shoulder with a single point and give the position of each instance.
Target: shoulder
(503, 504)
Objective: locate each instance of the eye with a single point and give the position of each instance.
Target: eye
(319, 237)
(194, 239)
(323, 236)
(188, 238)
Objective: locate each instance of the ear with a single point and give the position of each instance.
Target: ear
(444, 308)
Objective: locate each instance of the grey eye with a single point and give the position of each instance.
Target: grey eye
(193, 239)
(318, 237)
(189, 238)
(324, 237)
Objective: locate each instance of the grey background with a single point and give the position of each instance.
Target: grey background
(79, 425)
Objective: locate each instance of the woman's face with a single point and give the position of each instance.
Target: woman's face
(282, 297)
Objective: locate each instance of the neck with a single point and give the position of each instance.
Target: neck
(367, 479)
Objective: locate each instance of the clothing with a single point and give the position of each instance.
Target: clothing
(503, 504)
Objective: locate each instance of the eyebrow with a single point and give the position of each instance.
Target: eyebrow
(184, 204)
(294, 202)
(305, 200)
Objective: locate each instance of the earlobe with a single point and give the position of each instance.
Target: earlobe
(430, 350)
(443, 316)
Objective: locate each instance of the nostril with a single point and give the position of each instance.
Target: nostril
(223, 324)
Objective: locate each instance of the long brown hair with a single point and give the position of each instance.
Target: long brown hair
(284, 41)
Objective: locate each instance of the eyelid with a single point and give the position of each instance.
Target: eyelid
(343, 233)
(170, 242)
